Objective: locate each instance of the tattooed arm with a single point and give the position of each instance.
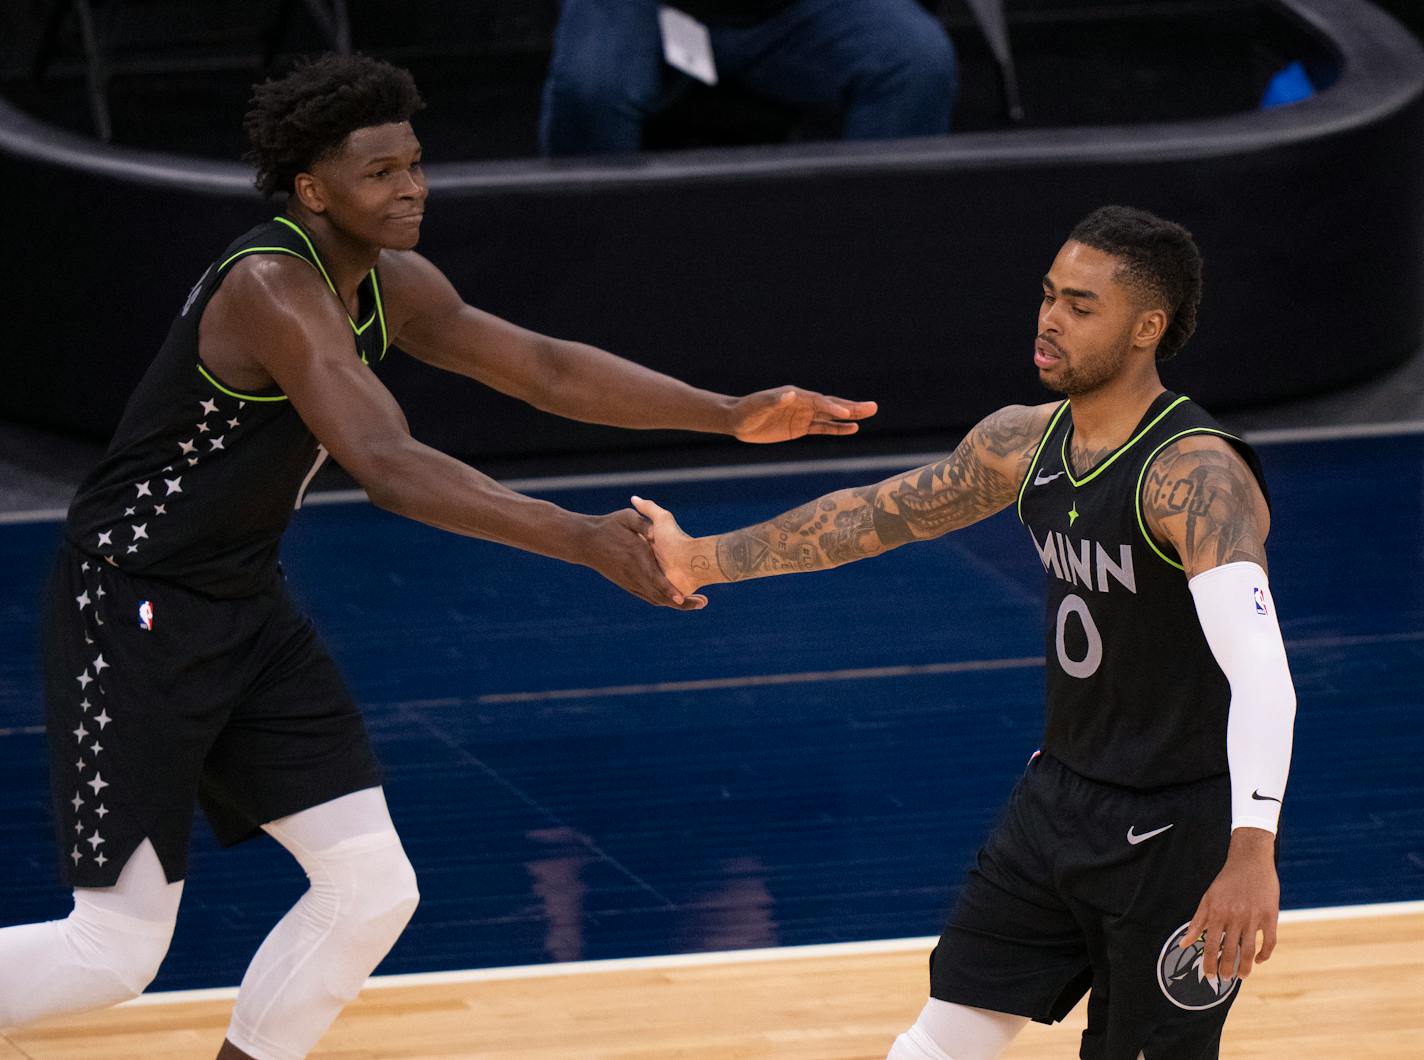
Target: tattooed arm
(982, 476)
(1201, 498)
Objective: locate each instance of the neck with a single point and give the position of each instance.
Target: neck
(347, 260)
(1104, 418)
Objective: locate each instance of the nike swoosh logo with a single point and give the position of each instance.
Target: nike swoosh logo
(1041, 479)
(1134, 839)
(1263, 798)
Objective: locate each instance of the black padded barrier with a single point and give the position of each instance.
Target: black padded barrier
(904, 271)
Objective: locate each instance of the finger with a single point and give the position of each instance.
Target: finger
(832, 427)
(1248, 950)
(649, 510)
(1228, 962)
(1268, 944)
(1211, 949)
(847, 410)
(1196, 927)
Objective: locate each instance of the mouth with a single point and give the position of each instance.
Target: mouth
(407, 218)
(1046, 355)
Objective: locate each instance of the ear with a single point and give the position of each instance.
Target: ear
(1151, 326)
(309, 192)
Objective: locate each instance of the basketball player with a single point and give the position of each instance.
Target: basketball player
(176, 666)
(1135, 857)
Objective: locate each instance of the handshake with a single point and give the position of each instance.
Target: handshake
(646, 553)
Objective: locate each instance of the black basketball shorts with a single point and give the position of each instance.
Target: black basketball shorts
(158, 698)
(1087, 886)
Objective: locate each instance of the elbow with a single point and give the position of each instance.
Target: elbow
(385, 474)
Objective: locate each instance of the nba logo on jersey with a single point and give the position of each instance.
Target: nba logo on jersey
(145, 615)
(1259, 596)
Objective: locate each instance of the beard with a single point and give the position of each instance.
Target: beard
(1083, 375)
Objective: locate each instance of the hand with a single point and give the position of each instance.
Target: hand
(1244, 899)
(619, 549)
(788, 412)
(687, 570)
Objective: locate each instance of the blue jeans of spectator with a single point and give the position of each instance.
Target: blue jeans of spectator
(886, 64)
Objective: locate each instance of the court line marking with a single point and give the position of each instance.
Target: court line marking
(905, 461)
(1022, 662)
(758, 680)
(868, 673)
(724, 957)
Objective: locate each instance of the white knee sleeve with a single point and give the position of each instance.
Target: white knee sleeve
(316, 959)
(914, 1044)
(972, 1033)
(106, 951)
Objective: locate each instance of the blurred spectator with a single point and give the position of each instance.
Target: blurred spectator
(886, 64)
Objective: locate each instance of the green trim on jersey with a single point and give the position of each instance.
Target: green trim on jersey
(261, 250)
(1042, 444)
(316, 259)
(1142, 476)
(1067, 467)
(380, 315)
(233, 393)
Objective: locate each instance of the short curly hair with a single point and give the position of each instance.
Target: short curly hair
(1160, 262)
(299, 119)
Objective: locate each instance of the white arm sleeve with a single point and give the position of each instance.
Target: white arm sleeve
(1238, 616)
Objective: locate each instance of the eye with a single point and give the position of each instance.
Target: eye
(381, 174)
(1047, 298)
(1079, 311)
(417, 164)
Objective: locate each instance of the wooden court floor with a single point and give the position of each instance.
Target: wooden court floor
(1338, 988)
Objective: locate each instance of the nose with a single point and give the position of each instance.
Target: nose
(1048, 318)
(414, 186)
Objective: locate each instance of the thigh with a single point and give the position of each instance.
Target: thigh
(296, 740)
(136, 691)
(1012, 944)
(1150, 994)
(810, 53)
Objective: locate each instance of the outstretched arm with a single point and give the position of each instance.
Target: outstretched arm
(305, 349)
(582, 382)
(982, 476)
(1201, 498)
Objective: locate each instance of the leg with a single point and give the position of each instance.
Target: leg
(605, 77)
(946, 1031)
(317, 957)
(887, 63)
(106, 951)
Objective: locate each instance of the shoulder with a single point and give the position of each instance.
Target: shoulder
(1199, 495)
(264, 282)
(1013, 433)
(412, 287)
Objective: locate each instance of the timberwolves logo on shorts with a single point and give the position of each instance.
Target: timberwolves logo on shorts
(1180, 975)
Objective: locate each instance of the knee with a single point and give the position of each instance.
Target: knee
(380, 896)
(926, 61)
(125, 950)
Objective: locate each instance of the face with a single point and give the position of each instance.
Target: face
(373, 188)
(1089, 324)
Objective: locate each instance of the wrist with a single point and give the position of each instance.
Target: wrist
(1250, 842)
(701, 562)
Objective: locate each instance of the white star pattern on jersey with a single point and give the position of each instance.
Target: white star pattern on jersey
(106, 538)
(203, 428)
(217, 443)
(143, 488)
(139, 531)
(188, 446)
(103, 719)
(209, 407)
(174, 485)
(98, 783)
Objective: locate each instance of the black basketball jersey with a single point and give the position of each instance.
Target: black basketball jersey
(200, 479)
(1135, 696)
